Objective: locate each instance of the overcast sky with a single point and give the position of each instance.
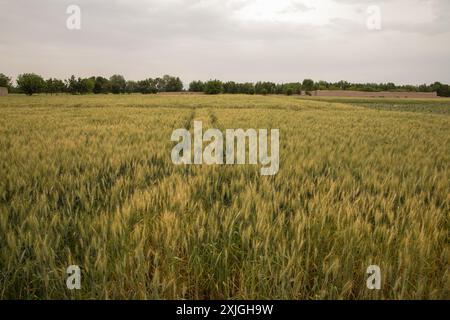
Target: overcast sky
(243, 40)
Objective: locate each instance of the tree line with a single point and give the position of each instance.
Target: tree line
(30, 83)
(308, 85)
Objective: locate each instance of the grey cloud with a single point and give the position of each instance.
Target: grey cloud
(204, 39)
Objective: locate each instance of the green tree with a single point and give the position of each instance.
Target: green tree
(131, 87)
(101, 85)
(196, 86)
(160, 84)
(343, 85)
(118, 84)
(5, 81)
(390, 86)
(265, 87)
(72, 85)
(442, 90)
(53, 86)
(30, 83)
(230, 87)
(49, 86)
(85, 85)
(59, 86)
(172, 84)
(147, 86)
(323, 85)
(279, 89)
(246, 88)
(308, 85)
(213, 87)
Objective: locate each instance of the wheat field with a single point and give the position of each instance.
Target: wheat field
(88, 181)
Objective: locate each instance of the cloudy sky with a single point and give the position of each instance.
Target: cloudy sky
(243, 40)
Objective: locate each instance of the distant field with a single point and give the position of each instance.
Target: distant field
(88, 180)
(438, 106)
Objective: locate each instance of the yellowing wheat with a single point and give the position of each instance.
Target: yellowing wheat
(88, 180)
